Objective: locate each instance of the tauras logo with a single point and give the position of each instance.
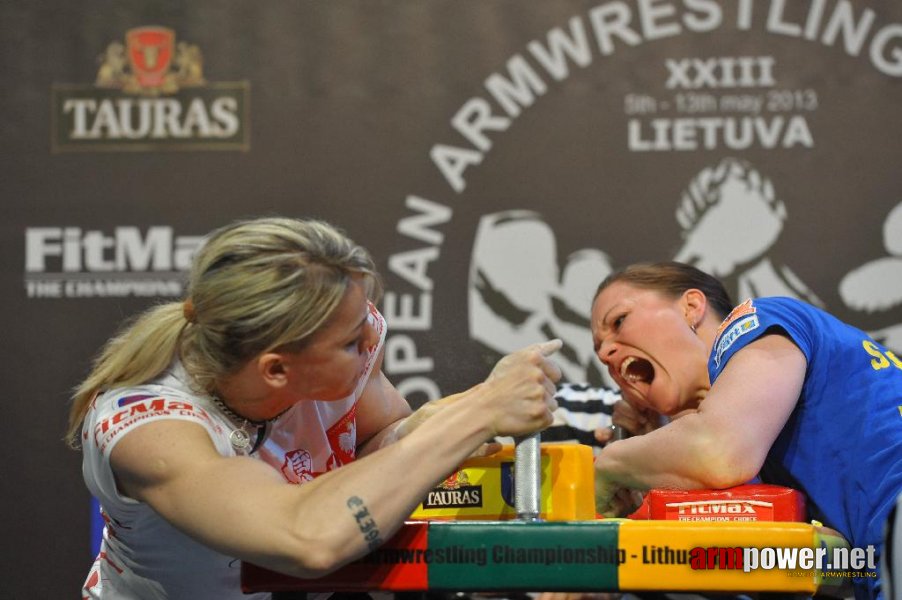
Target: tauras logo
(455, 492)
(462, 497)
(150, 94)
(72, 262)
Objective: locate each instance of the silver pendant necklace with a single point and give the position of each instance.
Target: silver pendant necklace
(239, 438)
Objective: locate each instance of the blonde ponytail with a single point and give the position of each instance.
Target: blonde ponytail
(139, 353)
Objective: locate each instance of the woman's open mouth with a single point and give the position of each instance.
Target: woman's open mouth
(637, 370)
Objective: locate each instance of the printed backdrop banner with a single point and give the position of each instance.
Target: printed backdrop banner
(498, 158)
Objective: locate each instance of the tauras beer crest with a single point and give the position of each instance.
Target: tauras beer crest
(463, 497)
(149, 94)
(454, 492)
(150, 53)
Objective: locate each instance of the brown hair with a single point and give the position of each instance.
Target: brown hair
(673, 278)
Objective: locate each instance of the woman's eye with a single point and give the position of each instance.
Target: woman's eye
(618, 322)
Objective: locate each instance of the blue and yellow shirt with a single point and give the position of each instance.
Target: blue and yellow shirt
(842, 444)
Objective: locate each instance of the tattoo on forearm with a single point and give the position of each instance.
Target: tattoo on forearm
(365, 522)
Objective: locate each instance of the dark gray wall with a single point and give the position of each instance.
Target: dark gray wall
(775, 134)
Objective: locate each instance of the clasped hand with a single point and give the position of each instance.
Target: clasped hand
(521, 390)
(611, 499)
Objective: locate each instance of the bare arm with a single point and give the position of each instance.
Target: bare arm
(391, 424)
(384, 416)
(380, 412)
(243, 508)
(726, 441)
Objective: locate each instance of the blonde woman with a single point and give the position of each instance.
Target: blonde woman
(199, 417)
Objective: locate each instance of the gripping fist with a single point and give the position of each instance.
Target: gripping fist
(519, 392)
(630, 419)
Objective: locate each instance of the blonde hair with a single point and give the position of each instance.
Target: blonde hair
(255, 286)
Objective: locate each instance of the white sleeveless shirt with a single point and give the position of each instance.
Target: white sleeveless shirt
(142, 555)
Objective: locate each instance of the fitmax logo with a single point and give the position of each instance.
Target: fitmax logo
(69, 261)
(717, 509)
(126, 249)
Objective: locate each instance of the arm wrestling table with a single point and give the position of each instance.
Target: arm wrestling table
(527, 553)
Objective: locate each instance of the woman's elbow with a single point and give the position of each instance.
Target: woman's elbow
(311, 558)
(312, 564)
(726, 465)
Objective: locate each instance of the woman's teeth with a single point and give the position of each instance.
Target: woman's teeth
(636, 370)
(624, 370)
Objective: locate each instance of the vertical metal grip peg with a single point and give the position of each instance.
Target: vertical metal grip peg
(528, 477)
